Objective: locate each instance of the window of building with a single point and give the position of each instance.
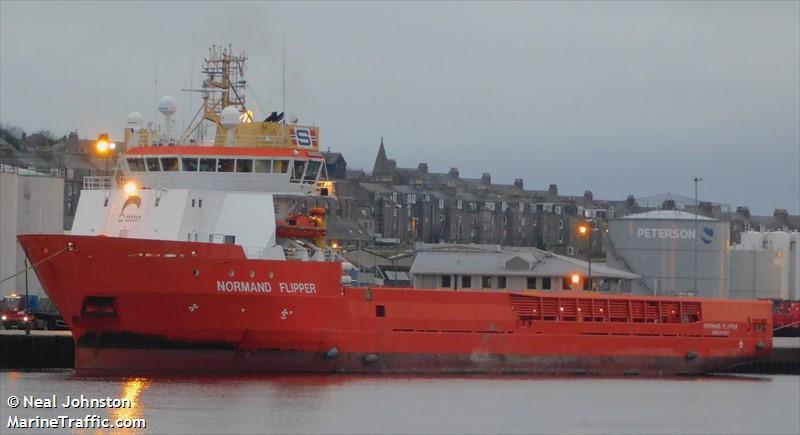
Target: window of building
(466, 281)
(459, 204)
(546, 283)
(531, 282)
(501, 281)
(262, 166)
(441, 203)
(486, 282)
(244, 165)
(445, 280)
(189, 165)
(153, 164)
(208, 165)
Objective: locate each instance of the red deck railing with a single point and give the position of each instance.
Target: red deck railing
(558, 308)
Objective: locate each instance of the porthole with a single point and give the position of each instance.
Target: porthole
(270, 274)
(231, 273)
(196, 272)
(252, 274)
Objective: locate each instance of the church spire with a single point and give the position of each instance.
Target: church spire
(381, 161)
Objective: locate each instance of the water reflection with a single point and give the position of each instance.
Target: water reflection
(132, 389)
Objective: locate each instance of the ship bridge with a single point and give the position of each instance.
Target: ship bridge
(275, 170)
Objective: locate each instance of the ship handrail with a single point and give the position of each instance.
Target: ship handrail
(98, 182)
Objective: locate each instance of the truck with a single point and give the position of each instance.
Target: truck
(30, 312)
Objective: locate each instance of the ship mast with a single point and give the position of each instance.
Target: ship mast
(223, 86)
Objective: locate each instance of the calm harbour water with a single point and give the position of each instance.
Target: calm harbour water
(380, 404)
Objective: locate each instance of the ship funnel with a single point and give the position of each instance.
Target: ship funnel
(229, 118)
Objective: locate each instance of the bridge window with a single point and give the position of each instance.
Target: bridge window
(190, 165)
(546, 283)
(311, 171)
(152, 164)
(466, 281)
(169, 163)
(262, 165)
(297, 174)
(531, 282)
(244, 165)
(280, 166)
(136, 165)
(208, 165)
(225, 165)
(486, 282)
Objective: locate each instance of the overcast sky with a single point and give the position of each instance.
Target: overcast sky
(619, 98)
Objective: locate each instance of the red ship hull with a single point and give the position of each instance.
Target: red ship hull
(161, 306)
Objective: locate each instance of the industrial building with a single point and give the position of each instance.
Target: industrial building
(675, 252)
(32, 202)
(492, 267)
(765, 265)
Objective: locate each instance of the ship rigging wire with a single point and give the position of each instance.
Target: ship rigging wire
(43, 260)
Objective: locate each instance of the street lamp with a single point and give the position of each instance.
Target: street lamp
(696, 206)
(104, 147)
(586, 229)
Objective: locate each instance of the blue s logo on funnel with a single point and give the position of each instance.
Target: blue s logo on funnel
(707, 236)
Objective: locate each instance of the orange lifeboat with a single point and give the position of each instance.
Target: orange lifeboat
(301, 226)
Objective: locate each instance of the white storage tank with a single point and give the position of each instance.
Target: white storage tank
(677, 253)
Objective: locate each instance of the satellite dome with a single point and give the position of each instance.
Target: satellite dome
(135, 119)
(229, 117)
(167, 105)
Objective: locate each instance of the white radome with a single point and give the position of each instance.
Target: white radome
(167, 105)
(135, 119)
(229, 117)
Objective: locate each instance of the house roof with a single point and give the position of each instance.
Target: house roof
(345, 229)
(667, 214)
(507, 261)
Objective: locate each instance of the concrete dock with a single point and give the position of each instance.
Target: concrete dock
(56, 349)
(39, 350)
